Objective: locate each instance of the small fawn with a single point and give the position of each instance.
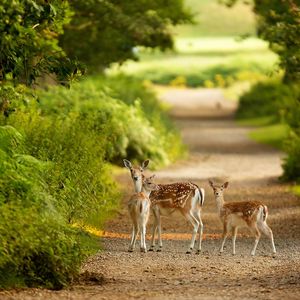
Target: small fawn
(139, 209)
(251, 214)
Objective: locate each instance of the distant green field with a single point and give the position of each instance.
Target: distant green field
(214, 61)
(215, 19)
(227, 45)
(208, 54)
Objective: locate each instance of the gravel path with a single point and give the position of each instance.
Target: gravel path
(221, 150)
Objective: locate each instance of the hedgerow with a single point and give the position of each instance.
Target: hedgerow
(56, 149)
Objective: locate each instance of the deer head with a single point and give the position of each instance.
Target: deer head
(218, 189)
(149, 185)
(136, 173)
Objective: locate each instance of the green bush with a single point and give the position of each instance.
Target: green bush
(36, 245)
(131, 121)
(129, 90)
(265, 99)
(55, 155)
(36, 249)
(279, 103)
(78, 177)
(291, 164)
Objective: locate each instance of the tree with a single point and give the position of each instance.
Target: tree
(29, 47)
(279, 24)
(106, 31)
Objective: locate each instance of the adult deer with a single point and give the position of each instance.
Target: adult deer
(251, 214)
(185, 197)
(139, 209)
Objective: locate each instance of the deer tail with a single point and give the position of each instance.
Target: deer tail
(264, 212)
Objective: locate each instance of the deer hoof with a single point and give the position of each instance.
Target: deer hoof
(151, 249)
(158, 250)
(198, 252)
(130, 250)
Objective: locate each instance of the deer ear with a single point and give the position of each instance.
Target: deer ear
(225, 185)
(211, 183)
(127, 164)
(145, 164)
(151, 177)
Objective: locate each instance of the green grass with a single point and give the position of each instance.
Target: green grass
(296, 190)
(273, 135)
(267, 132)
(219, 45)
(256, 122)
(215, 19)
(201, 59)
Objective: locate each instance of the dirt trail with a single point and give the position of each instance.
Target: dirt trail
(219, 149)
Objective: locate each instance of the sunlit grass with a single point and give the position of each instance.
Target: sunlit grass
(201, 53)
(296, 190)
(214, 19)
(268, 132)
(201, 59)
(260, 121)
(219, 45)
(273, 135)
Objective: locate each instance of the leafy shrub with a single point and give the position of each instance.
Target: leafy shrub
(55, 170)
(265, 99)
(179, 81)
(78, 177)
(37, 247)
(199, 67)
(291, 164)
(281, 103)
(132, 122)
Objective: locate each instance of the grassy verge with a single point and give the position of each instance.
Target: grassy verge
(296, 190)
(267, 131)
(273, 135)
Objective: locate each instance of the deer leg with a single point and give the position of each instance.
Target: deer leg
(190, 217)
(198, 217)
(234, 233)
(134, 234)
(224, 236)
(159, 230)
(154, 227)
(263, 226)
(143, 238)
(257, 237)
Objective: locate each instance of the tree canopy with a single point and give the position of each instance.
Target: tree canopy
(52, 36)
(279, 24)
(29, 45)
(106, 31)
